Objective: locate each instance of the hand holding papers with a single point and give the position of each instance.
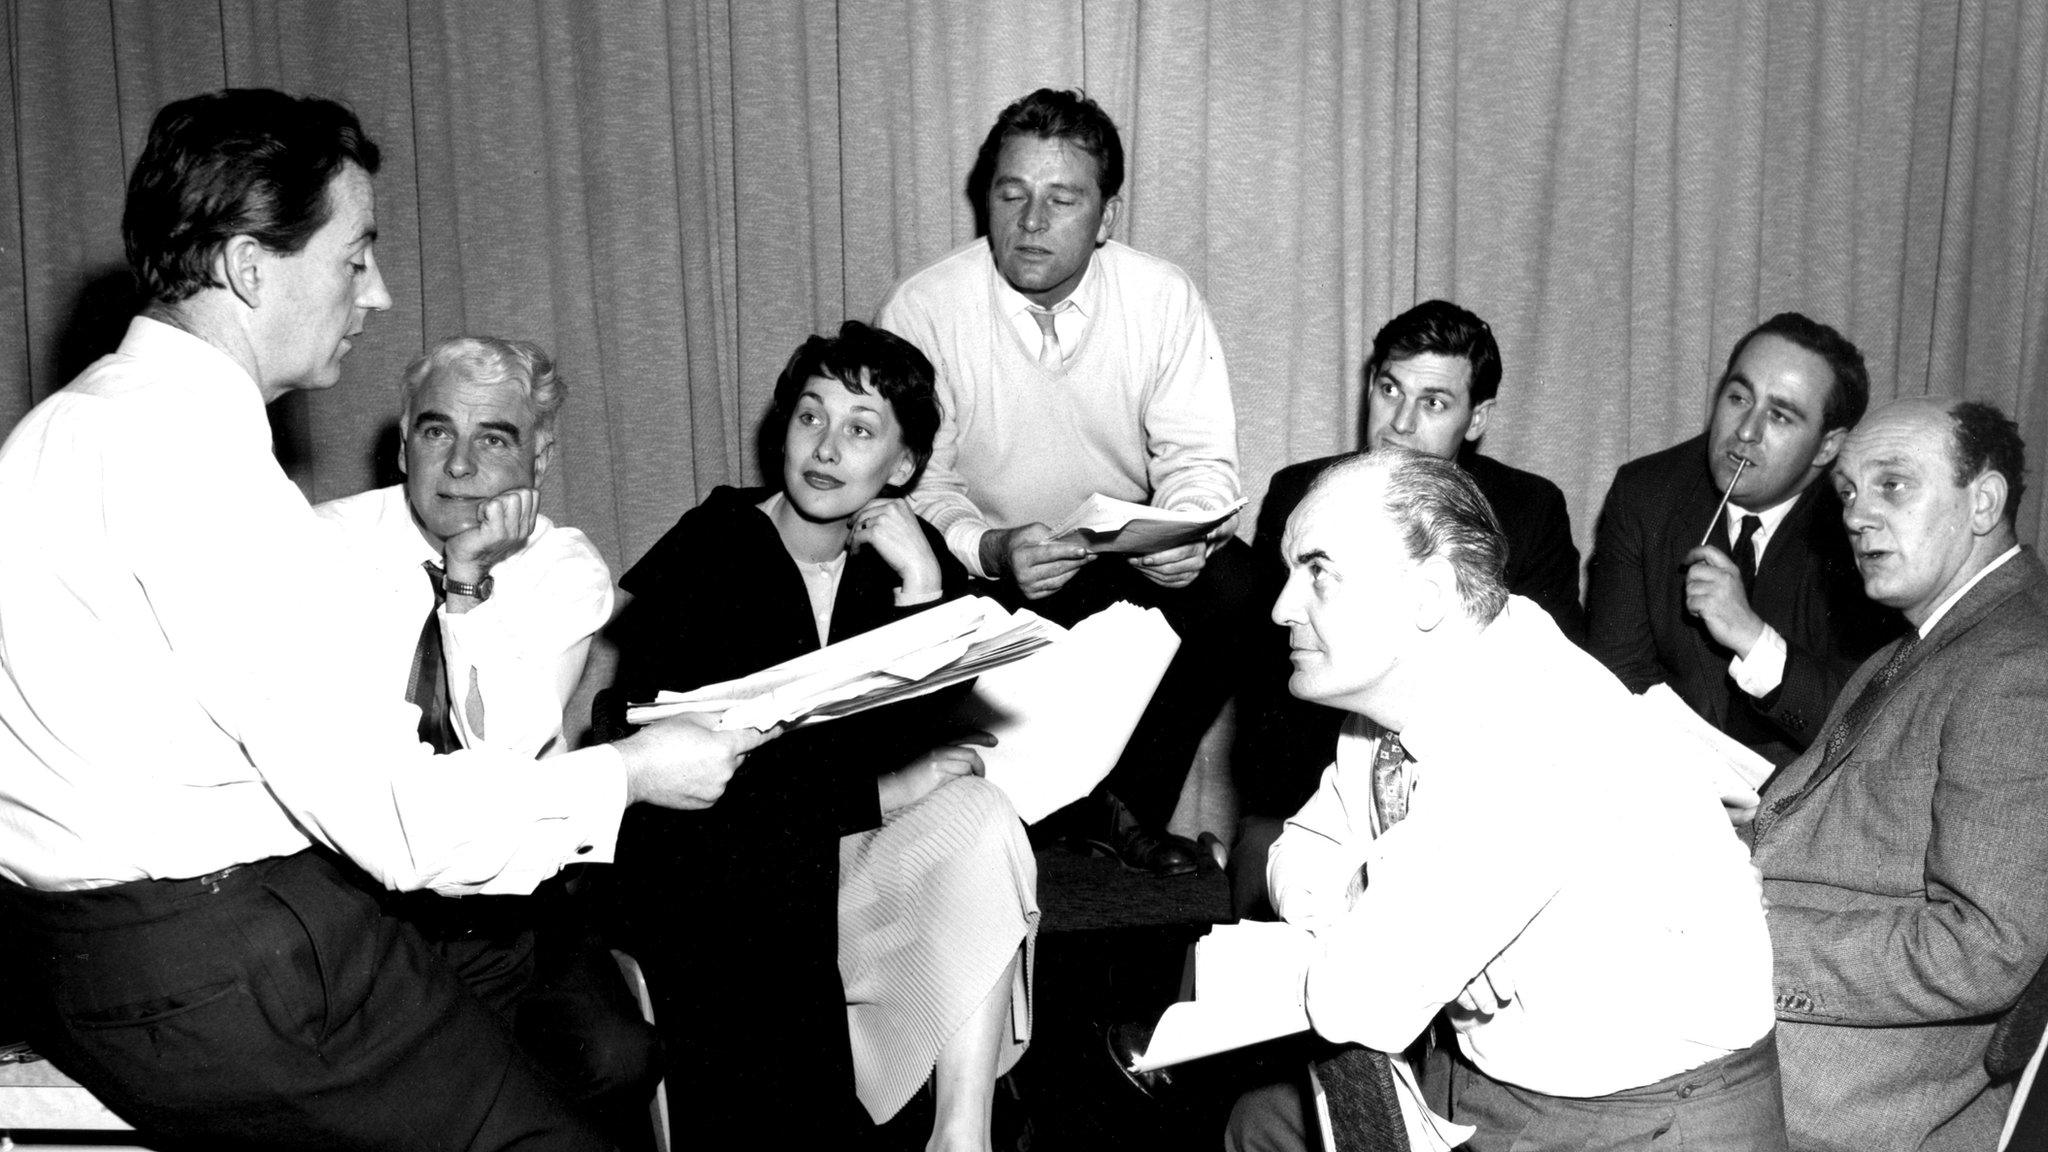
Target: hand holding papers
(1102, 524)
(922, 653)
(1062, 718)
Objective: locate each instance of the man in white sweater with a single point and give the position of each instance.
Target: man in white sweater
(1069, 365)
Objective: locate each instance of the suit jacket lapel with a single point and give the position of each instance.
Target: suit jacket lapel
(1978, 603)
(1787, 563)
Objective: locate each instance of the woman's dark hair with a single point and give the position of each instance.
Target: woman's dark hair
(238, 162)
(863, 357)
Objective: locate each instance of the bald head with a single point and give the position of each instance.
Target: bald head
(1928, 486)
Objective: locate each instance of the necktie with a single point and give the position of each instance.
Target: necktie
(1365, 1111)
(1745, 550)
(1048, 339)
(1389, 786)
(1866, 702)
(428, 685)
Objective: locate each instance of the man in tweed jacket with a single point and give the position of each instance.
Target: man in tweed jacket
(1905, 856)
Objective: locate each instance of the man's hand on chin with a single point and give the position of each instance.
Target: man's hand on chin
(503, 524)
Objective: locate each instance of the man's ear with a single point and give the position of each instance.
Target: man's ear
(1987, 502)
(1481, 413)
(240, 266)
(1830, 446)
(1435, 586)
(1111, 209)
(543, 456)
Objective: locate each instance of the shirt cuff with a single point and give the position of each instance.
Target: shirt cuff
(903, 601)
(1760, 673)
(965, 541)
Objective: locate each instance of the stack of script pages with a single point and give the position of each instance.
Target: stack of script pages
(1061, 718)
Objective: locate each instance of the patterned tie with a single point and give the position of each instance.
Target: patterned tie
(1389, 786)
(428, 685)
(1745, 551)
(1365, 1109)
(1049, 340)
(1866, 702)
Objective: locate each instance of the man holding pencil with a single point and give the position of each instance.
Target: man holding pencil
(1720, 566)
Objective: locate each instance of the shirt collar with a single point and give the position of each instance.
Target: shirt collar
(1441, 720)
(1959, 593)
(205, 368)
(1769, 519)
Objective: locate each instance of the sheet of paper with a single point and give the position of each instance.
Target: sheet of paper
(1105, 524)
(942, 645)
(1062, 717)
(1733, 769)
(1250, 979)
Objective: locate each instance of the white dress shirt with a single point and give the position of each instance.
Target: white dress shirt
(1566, 878)
(519, 654)
(185, 684)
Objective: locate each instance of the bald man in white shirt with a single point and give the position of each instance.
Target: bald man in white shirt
(1507, 837)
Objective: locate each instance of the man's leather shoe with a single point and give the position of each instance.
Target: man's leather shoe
(1125, 1043)
(1140, 849)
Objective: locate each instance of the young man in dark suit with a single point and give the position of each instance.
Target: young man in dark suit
(1754, 617)
(1430, 386)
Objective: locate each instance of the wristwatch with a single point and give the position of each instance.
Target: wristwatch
(479, 591)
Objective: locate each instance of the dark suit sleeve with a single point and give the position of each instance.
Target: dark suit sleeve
(1853, 628)
(1618, 630)
(1799, 705)
(1550, 573)
(1966, 947)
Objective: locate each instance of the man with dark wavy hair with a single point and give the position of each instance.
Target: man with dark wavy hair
(1070, 364)
(208, 783)
(1903, 854)
(1753, 616)
(1431, 385)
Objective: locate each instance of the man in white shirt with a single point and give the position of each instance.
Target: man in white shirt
(1904, 854)
(485, 610)
(1754, 618)
(1510, 838)
(207, 779)
(1068, 365)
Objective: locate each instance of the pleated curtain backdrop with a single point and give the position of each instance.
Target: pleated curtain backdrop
(671, 196)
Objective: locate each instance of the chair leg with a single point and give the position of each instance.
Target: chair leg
(637, 981)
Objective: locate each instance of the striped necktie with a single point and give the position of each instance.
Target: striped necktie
(1048, 339)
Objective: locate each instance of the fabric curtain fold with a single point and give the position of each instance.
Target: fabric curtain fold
(671, 196)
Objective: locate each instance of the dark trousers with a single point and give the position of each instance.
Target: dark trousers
(273, 1006)
(1214, 617)
(1732, 1104)
(537, 963)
